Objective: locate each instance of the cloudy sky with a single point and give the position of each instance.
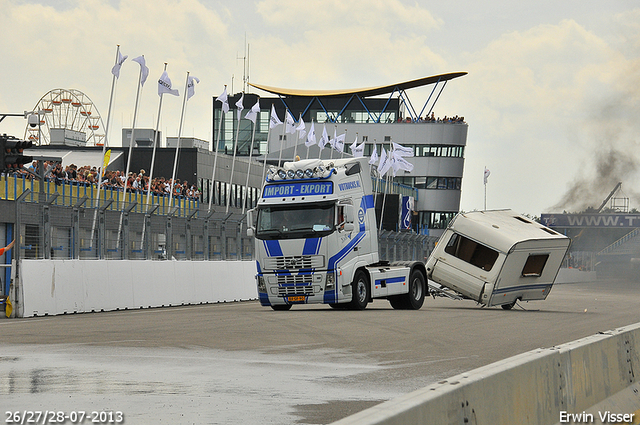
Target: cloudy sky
(551, 98)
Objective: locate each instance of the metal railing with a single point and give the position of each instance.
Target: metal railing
(623, 240)
(405, 246)
(55, 231)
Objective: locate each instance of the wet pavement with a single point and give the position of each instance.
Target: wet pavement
(240, 363)
(183, 386)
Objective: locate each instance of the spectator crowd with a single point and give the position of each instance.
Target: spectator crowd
(115, 180)
(432, 118)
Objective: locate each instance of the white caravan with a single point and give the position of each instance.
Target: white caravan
(497, 258)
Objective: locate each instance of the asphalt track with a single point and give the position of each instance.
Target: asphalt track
(240, 363)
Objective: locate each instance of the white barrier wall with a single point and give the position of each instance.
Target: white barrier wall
(75, 286)
(591, 376)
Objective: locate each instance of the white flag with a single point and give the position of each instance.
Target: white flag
(374, 155)
(144, 70)
(486, 175)
(358, 151)
(240, 106)
(385, 163)
(301, 128)
(224, 98)
(399, 163)
(338, 143)
(290, 126)
(274, 120)
(332, 142)
(324, 139)
(191, 86)
(116, 68)
(353, 145)
(402, 150)
(311, 137)
(164, 85)
(253, 113)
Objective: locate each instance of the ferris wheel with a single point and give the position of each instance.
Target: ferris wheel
(68, 110)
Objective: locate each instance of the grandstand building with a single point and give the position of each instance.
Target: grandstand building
(377, 116)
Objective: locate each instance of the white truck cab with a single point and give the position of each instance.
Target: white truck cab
(317, 240)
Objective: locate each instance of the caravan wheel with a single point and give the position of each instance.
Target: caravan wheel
(509, 306)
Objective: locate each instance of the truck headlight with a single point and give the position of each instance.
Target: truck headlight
(262, 286)
(331, 281)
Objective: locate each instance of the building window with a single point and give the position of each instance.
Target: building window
(446, 151)
(442, 183)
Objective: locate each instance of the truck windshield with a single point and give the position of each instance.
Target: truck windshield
(295, 221)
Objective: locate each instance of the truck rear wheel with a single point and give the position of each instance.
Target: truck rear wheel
(360, 290)
(414, 299)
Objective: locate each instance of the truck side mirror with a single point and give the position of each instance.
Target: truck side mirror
(348, 227)
(347, 214)
(251, 229)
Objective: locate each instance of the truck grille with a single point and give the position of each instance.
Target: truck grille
(295, 290)
(294, 262)
(295, 279)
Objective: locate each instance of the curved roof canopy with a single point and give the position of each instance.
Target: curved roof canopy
(364, 92)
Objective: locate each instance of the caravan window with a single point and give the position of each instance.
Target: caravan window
(472, 252)
(534, 265)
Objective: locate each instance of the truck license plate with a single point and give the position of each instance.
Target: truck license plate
(296, 298)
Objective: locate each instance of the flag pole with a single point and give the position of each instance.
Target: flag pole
(153, 158)
(295, 147)
(246, 185)
(175, 161)
(485, 188)
(284, 129)
(233, 161)
(104, 149)
(155, 142)
(384, 197)
(308, 136)
(264, 165)
(215, 157)
(131, 142)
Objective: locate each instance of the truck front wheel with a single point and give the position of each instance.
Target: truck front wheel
(360, 290)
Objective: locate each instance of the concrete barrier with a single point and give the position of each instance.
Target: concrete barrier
(594, 376)
(76, 286)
